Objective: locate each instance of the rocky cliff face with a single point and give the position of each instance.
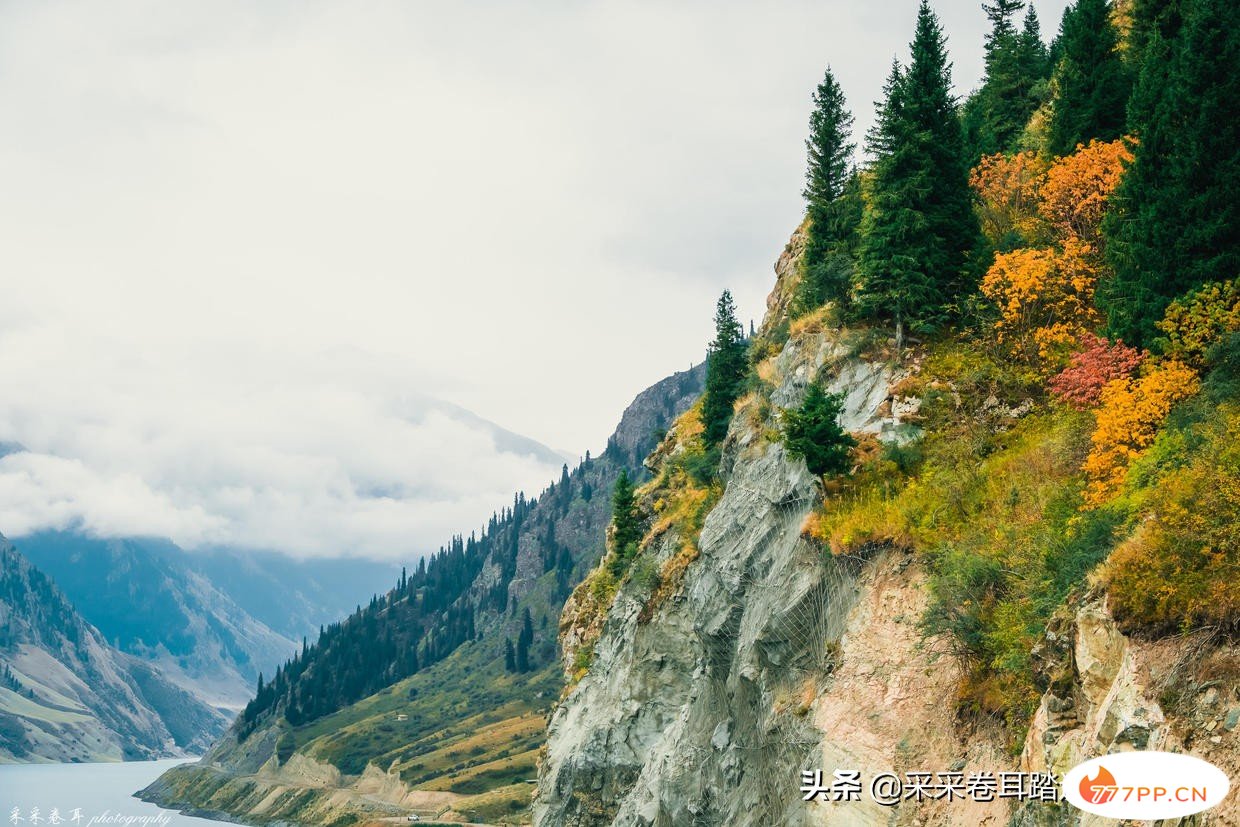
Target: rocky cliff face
(771, 656)
(698, 713)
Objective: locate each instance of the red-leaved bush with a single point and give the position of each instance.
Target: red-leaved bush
(1099, 361)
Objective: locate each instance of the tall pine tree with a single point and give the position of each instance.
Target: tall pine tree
(525, 639)
(1034, 57)
(893, 282)
(725, 371)
(510, 656)
(1016, 68)
(832, 197)
(1092, 79)
(919, 223)
(625, 528)
(1176, 223)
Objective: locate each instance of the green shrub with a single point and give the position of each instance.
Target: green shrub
(1180, 567)
(645, 574)
(906, 457)
(813, 432)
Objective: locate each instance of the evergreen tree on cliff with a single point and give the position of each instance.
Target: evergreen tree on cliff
(893, 284)
(625, 528)
(1093, 82)
(725, 371)
(524, 640)
(832, 198)
(1176, 223)
(1016, 68)
(813, 432)
(919, 223)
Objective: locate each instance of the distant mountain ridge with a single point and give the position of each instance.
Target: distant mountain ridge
(66, 695)
(192, 615)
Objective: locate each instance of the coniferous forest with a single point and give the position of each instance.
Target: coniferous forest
(429, 613)
(1158, 87)
(441, 603)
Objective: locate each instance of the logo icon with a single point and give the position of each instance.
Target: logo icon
(1145, 785)
(1099, 790)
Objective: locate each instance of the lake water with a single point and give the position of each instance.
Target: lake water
(102, 795)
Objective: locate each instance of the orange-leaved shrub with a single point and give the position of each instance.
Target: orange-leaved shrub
(1045, 295)
(1077, 187)
(1007, 198)
(1127, 421)
(1091, 368)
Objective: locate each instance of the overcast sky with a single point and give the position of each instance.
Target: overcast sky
(249, 249)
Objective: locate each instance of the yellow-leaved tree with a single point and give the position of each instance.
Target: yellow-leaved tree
(1195, 323)
(1128, 419)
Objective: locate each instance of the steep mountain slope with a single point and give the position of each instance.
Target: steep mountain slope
(68, 696)
(147, 598)
(409, 704)
(773, 624)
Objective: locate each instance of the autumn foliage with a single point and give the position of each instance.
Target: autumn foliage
(1181, 567)
(1007, 189)
(1195, 322)
(1097, 363)
(1045, 299)
(1074, 195)
(1128, 419)
(1045, 295)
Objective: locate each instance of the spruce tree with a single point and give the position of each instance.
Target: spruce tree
(934, 117)
(626, 532)
(524, 640)
(996, 114)
(1093, 81)
(813, 432)
(1033, 55)
(1176, 223)
(832, 199)
(1033, 51)
(894, 284)
(510, 656)
(828, 145)
(725, 371)
(919, 223)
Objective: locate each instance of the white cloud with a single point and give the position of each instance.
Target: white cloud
(323, 456)
(235, 236)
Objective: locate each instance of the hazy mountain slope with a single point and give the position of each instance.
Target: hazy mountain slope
(68, 696)
(294, 596)
(463, 731)
(148, 598)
